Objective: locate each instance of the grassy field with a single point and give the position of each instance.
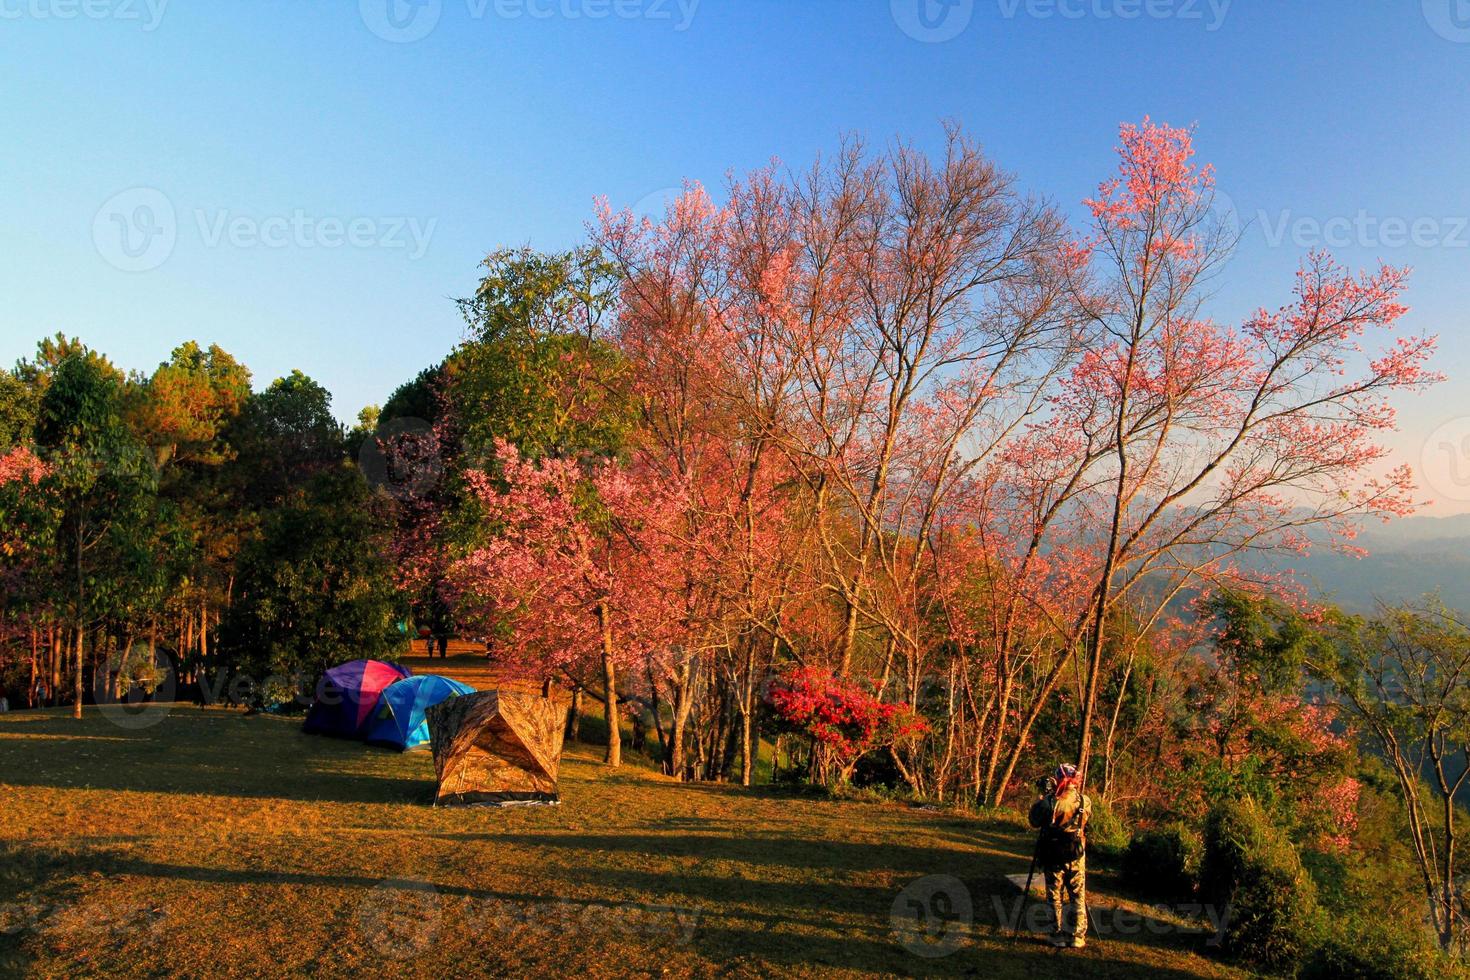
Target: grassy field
(212, 843)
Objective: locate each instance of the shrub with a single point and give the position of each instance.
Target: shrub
(1106, 834)
(841, 718)
(1252, 871)
(1366, 947)
(1163, 862)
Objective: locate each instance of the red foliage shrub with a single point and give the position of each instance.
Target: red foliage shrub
(840, 717)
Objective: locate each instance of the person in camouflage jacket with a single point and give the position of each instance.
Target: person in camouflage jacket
(1061, 816)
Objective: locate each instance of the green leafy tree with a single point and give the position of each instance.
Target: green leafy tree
(285, 435)
(186, 412)
(534, 371)
(1248, 727)
(36, 372)
(416, 399)
(367, 425)
(1404, 676)
(183, 410)
(18, 405)
(103, 488)
(313, 589)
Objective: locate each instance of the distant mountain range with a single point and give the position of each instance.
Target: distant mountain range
(1407, 558)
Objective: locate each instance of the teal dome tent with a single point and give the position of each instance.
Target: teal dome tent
(398, 720)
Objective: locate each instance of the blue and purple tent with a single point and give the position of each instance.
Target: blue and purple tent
(399, 720)
(346, 696)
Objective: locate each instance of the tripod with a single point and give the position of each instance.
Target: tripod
(1026, 892)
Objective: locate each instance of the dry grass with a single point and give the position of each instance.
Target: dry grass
(464, 665)
(212, 843)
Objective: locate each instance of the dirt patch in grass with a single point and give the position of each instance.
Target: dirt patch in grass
(213, 843)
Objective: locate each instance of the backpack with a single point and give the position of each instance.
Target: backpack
(1061, 841)
(1059, 846)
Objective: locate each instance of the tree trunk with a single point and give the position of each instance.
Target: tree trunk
(1023, 733)
(153, 652)
(1121, 499)
(81, 626)
(658, 719)
(1107, 780)
(678, 727)
(1094, 657)
(77, 687)
(720, 737)
(105, 656)
(35, 656)
(53, 654)
(574, 715)
(992, 792)
(203, 639)
(941, 775)
(747, 754)
(614, 754)
(849, 637)
(640, 733)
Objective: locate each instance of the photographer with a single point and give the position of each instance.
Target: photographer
(1061, 813)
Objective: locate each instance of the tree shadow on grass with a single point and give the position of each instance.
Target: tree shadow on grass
(848, 886)
(734, 925)
(192, 751)
(757, 849)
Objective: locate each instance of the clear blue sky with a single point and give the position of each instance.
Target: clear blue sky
(290, 120)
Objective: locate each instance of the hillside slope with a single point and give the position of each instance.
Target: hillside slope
(215, 843)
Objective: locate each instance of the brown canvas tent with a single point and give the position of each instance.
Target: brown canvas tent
(496, 747)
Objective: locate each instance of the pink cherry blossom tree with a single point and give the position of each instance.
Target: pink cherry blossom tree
(570, 571)
(1201, 444)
